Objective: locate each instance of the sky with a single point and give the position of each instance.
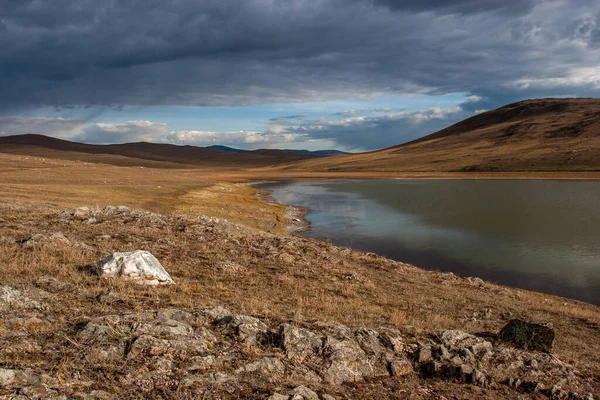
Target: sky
(353, 75)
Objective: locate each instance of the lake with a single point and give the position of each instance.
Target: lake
(542, 235)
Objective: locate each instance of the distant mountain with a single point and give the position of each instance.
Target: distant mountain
(531, 135)
(226, 148)
(143, 153)
(319, 153)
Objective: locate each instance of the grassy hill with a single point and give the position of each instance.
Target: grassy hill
(143, 153)
(531, 135)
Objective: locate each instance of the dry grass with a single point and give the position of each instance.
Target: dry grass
(281, 278)
(274, 276)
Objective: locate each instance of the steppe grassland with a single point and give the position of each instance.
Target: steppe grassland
(246, 269)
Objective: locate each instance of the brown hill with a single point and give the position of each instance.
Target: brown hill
(143, 153)
(531, 135)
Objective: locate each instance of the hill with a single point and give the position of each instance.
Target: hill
(143, 153)
(531, 135)
(320, 153)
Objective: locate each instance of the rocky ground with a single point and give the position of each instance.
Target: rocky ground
(240, 322)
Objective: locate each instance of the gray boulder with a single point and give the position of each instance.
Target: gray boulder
(248, 329)
(348, 362)
(528, 336)
(299, 343)
(140, 266)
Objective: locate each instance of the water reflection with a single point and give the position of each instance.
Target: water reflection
(541, 235)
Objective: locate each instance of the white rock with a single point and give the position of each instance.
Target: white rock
(140, 266)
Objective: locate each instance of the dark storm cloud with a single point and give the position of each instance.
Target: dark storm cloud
(237, 52)
(460, 6)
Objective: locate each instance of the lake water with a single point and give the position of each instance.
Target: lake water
(542, 235)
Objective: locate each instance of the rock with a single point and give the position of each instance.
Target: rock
(217, 313)
(370, 342)
(424, 354)
(487, 313)
(14, 378)
(230, 267)
(327, 397)
(39, 238)
(444, 353)
(140, 266)
(476, 281)
(81, 212)
(201, 363)
(393, 340)
(400, 368)
(270, 368)
(459, 340)
(101, 328)
(248, 329)
(306, 393)
(10, 297)
(528, 336)
(277, 396)
(465, 373)
(479, 378)
(152, 346)
(349, 363)
(299, 343)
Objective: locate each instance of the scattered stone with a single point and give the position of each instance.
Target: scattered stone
(140, 266)
(230, 267)
(270, 368)
(13, 378)
(306, 393)
(476, 281)
(393, 340)
(424, 354)
(487, 313)
(478, 378)
(201, 363)
(459, 340)
(10, 297)
(277, 396)
(400, 368)
(528, 336)
(53, 238)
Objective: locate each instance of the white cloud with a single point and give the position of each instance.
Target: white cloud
(374, 131)
(366, 129)
(130, 131)
(57, 127)
(237, 138)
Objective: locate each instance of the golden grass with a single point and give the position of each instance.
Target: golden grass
(282, 278)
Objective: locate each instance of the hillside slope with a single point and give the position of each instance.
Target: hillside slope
(152, 153)
(531, 135)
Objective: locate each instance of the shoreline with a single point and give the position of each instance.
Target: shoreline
(297, 224)
(263, 175)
